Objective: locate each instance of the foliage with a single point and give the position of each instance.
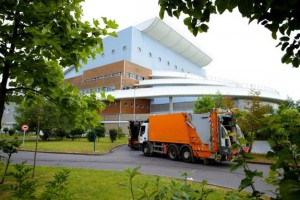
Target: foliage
(204, 104)
(76, 133)
(5, 130)
(25, 187)
(284, 131)
(174, 190)
(284, 128)
(113, 134)
(100, 131)
(120, 133)
(251, 119)
(240, 161)
(280, 17)
(59, 116)
(58, 188)
(9, 146)
(11, 131)
(38, 39)
(90, 136)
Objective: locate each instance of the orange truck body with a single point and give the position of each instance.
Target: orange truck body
(188, 136)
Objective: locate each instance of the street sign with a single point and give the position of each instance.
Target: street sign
(24, 127)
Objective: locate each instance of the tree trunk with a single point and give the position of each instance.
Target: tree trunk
(6, 168)
(3, 91)
(36, 145)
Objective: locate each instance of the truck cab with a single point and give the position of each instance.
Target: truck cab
(143, 133)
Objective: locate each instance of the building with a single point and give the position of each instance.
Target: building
(150, 69)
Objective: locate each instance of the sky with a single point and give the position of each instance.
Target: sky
(241, 52)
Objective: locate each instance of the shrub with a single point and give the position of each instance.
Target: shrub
(120, 133)
(77, 132)
(60, 134)
(90, 136)
(100, 131)
(46, 134)
(11, 131)
(113, 134)
(5, 130)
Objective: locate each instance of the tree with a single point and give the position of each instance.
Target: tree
(100, 131)
(9, 147)
(70, 109)
(251, 119)
(280, 17)
(37, 39)
(204, 104)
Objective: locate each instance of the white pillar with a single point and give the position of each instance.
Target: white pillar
(171, 105)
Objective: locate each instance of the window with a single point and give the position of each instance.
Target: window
(150, 54)
(125, 103)
(113, 51)
(102, 55)
(124, 48)
(159, 59)
(168, 63)
(139, 49)
(107, 75)
(116, 74)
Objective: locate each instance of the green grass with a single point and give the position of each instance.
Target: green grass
(81, 145)
(99, 184)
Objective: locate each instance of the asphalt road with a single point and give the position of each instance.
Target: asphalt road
(122, 157)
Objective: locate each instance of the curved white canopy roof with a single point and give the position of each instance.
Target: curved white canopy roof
(161, 32)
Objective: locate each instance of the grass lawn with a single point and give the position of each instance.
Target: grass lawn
(99, 184)
(82, 145)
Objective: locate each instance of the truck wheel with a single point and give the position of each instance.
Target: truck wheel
(173, 152)
(186, 155)
(146, 149)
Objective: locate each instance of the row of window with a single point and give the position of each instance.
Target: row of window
(134, 76)
(97, 90)
(115, 74)
(142, 106)
(139, 49)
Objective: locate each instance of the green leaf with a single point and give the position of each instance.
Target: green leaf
(246, 182)
(222, 5)
(290, 189)
(245, 7)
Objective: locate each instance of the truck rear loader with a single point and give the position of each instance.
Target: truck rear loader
(189, 136)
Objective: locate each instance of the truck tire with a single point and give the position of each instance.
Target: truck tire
(173, 152)
(146, 149)
(186, 154)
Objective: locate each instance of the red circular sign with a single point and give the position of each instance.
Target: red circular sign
(24, 127)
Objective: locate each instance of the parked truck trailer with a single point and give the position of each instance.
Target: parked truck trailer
(188, 136)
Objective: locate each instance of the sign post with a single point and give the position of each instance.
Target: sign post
(24, 128)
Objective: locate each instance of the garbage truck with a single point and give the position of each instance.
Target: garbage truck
(189, 137)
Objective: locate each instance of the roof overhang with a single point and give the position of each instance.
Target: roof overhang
(164, 34)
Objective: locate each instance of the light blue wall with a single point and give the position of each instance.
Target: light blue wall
(134, 46)
(169, 60)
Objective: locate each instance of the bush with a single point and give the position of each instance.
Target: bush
(90, 136)
(113, 134)
(100, 131)
(120, 133)
(76, 133)
(60, 134)
(11, 131)
(46, 134)
(5, 130)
